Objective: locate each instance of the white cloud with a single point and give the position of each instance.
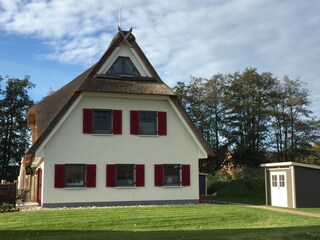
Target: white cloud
(181, 37)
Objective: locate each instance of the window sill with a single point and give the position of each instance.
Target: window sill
(126, 187)
(148, 135)
(102, 134)
(75, 188)
(172, 186)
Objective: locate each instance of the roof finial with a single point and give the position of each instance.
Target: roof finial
(120, 13)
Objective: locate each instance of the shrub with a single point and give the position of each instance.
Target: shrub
(246, 182)
(7, 207)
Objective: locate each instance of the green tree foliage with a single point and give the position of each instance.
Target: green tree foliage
(253, 114)
(14, 133)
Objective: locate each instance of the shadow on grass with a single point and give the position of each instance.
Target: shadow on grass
(301, 233)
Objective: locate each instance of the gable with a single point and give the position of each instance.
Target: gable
(45, 116)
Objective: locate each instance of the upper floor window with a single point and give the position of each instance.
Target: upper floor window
(123, 66)
(100, 121)
(148, 123)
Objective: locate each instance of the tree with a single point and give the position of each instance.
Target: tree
(14, 133)
(247, 100)
(254, 115)
(294, 127)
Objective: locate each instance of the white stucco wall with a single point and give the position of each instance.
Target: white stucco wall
(69, 145)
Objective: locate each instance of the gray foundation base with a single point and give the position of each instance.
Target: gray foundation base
(125, 203)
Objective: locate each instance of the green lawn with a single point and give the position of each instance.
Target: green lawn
(161, 222)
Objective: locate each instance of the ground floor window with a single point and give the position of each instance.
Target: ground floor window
(75, 175)
(125, 175)
(171, 175)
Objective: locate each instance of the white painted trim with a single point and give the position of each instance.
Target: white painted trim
(293, 183)
(140, 62)
(279, 169)
(283, 164)
(108, 60)
(201, 153)
(37, 162)
(75, 103)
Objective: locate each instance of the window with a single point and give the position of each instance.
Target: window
(148, 123)
(281, 181)
(172, 175)
(75, 175)
(123, 66)
(274, 181)
(125, 175)
(100, 121)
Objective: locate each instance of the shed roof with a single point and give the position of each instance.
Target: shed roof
(288, 164)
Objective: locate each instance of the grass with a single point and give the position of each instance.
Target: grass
(312, 210)
(160, 222)
(237, 199)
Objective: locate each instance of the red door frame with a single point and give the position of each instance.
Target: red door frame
(39, 185)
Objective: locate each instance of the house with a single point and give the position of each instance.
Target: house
(292, 184)
(115, 135)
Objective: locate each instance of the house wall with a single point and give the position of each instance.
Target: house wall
(69, 145)
(307, 187)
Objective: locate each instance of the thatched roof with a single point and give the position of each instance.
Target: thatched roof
(44, 116)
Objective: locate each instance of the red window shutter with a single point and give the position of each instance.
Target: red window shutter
(117, 122)
(134, 122)
(59, 176)
(140, 175)
(158, 175)
(87, 120)
(185, 173)
(111, 175)
(162, 123)
(91, 175)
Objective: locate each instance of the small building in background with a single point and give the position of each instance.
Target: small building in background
(292, 184)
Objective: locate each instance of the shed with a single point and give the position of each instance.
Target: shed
(292, 184)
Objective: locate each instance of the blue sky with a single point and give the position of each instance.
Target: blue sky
(52, 41)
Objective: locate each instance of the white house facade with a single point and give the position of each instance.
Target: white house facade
(115, 135)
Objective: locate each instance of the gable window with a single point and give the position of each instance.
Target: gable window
(172, 175)
(74, 175)
(148, 123)
(125, 175)
(101, 121)
(123, 66)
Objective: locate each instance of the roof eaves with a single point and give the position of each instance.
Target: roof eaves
(192, 126)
